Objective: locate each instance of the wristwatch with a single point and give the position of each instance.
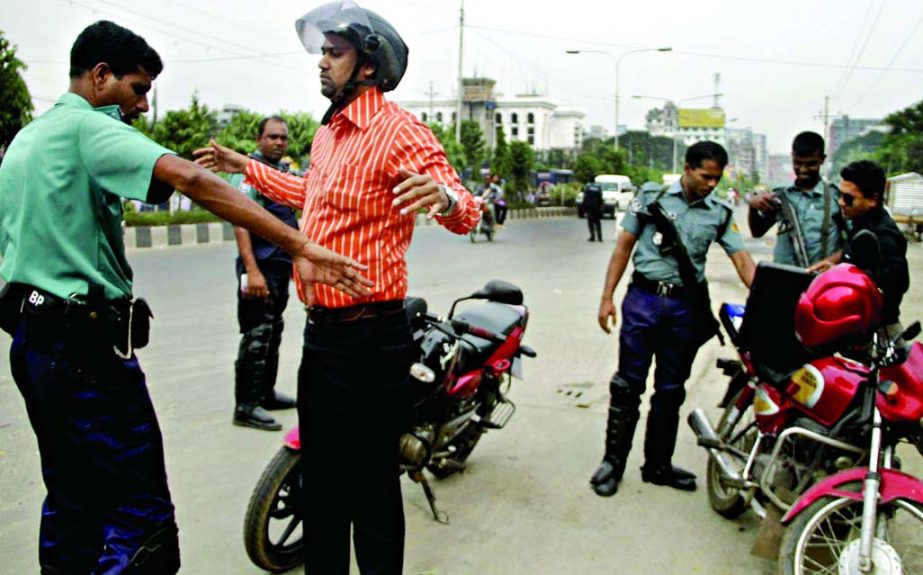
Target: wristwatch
(453, 200)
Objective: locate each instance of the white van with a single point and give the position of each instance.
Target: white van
(618, 191)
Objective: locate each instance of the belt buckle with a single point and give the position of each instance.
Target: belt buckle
(664, 289)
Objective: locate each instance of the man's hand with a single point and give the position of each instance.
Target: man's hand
(320, 265)
(765, 202)
(821, 266)
(606, 313)
(420, 191)
(218, 158)
(256, 286)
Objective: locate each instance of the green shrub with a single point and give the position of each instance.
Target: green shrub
(193, 216)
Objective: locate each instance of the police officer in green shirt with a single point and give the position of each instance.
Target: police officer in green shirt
(661, 315)
(68, 304)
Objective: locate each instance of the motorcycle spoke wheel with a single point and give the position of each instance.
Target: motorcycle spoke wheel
(824, 539)
(273, 527)
(729, 501)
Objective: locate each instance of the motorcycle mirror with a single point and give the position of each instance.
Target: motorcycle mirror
(865, 251)
(911, 332)
(495, 290)
(499, 291)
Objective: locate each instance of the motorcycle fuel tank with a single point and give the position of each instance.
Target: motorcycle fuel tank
(824, 388)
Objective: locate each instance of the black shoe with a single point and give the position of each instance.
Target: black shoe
(278, 401)
(669, 476)
(591, 240)
(252, 415)
(605, 479)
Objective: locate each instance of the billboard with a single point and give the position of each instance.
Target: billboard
(701, 117)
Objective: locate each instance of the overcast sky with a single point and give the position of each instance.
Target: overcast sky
(777, 60)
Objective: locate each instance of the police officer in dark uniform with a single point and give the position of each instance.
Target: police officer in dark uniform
(593, 208)
(69, 307)
(263, 274)
(662, 314)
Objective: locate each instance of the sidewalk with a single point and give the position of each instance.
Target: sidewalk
(137, 237)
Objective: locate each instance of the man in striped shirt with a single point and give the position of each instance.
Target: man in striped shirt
(373, 167)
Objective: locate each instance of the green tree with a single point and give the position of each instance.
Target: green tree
(902, 148)
(500, 162)
(521, 159)
(186, 130)
(453, 150)
(301, 130)
(472, 141)
(16, 108)
(644, 150)
(587, 167)
(241, 132)
(864, 147)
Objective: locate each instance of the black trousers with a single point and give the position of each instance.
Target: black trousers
(351, 388)
(261, 328)
(593, 221)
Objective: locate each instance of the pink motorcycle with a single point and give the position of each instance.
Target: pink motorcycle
(468, 362)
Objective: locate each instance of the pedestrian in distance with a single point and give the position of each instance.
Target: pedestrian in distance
(812, 204)
(593, 209)
(666, 312)
(373, 167)
(263, 274)
(69, 305)
(500, 199)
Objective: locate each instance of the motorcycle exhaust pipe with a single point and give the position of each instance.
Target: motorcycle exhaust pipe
(708, 438)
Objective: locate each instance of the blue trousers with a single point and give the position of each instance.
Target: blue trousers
(101, 455)
(661, 328)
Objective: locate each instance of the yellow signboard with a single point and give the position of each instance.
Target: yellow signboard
(701, 118)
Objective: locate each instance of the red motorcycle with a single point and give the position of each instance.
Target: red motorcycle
(468, 362)
(815, 407)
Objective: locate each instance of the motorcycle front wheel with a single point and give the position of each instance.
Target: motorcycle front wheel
(726, 500)
(824, 538)
(273, 527)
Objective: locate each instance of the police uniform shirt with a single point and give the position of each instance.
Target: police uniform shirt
(264, 250)
(809, 208)
(698, 224)
(61, 188)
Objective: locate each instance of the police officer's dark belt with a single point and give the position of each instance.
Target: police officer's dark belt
(122, 323)
(320, 314)
(662, 289)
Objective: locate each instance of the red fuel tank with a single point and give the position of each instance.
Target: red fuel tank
(902, 388)
(824, 388)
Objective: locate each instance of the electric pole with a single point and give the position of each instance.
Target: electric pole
(461, 91)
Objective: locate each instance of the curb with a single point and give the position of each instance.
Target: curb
(140, 237)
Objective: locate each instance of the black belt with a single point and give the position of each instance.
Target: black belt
(662, 289)
(320, 314)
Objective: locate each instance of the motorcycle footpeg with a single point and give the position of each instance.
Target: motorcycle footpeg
(500, 416)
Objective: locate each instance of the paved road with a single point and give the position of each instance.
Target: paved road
(522, 507)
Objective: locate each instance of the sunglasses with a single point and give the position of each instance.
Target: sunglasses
(847, 199)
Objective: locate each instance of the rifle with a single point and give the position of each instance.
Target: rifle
(791, 225)
(672, 244)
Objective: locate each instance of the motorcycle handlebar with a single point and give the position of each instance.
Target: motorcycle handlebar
(460, 327)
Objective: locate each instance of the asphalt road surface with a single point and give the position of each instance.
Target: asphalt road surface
(523, 506)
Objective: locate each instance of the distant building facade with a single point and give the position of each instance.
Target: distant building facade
(844, 128)
(529, 118)
(748, 152)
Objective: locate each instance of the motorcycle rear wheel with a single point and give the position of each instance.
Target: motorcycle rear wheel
(273, 528)
(824, 538)
(727, 501)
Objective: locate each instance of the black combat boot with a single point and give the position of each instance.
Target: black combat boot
(659, 443)
(620, 430)
(252, 415)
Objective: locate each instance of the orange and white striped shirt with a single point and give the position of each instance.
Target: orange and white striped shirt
(347, 193)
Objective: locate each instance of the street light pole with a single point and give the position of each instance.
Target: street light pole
(617, 62)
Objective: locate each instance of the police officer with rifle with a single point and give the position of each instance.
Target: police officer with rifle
(810, 227)
(666, 313)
